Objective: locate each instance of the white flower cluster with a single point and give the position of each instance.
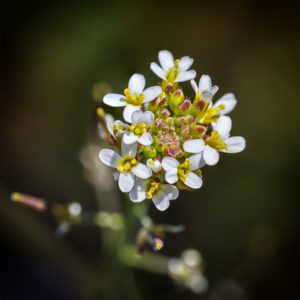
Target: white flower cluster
(167, 137)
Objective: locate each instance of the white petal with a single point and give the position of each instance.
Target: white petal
(185, 76)
(194, 86)
(161, 201)
(235, 144)
(151, 93)
(129, 149)
(156, 167)
(169, 163)
(171, 176)
(141, 171)
(126, 182)
(204, 83)
(184, 63)
(156, 69)
(196, 161)
(148, 118)
(129, 138)
(194, 181)
(229, 101)
(136, 84)
(137, 117)
(211, 156)
(116, 175)
(223, 126)
(171, 191)
(166, 59)
(109, 157)
(138, 193)
(146, 139)
(128, 111)
(137, 196)
(214, 89)
(194, 146)
(114, 100)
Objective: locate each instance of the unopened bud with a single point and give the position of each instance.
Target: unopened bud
(185, 129)
(183, 107)
(149, 152)
(176, 98)
(169, 88)
(164, 113)
(33, 202)
(198, 131)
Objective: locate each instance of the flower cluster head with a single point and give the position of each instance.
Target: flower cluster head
(167, 137)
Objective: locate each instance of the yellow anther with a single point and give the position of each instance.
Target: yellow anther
(16, 197)
(176, 63)
(120, 169)
(127, 91)
(149, 195)
(151, 163)
(137, 131)
(158, 244)
(222, 106)
(131, 127)
(215, 141)
(133, 162)
(100, 112)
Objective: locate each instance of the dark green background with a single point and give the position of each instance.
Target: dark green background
(243, 219)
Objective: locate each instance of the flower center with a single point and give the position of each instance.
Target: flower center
(133, 99)
(152, 188)
(138, 129)
(212, 114)
(215, 141)
(126, 163)
(184, 170)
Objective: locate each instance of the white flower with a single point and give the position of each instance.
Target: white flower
(138, 130)
(219, 140)
(182, 171)
(204, 88)
(173, 71)
(222, 107)
(117, 128)
(161, 194)
(154, 165)
(126, 165)
(135, 96)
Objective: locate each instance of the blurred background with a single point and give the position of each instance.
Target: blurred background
(58, 57)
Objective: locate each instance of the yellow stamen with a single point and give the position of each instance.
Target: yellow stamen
(176, 63)
(183, 170)
(215, 141)
(126, 163)
(138, 129)
(212, 114)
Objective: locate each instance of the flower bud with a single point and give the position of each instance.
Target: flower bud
(169, 88)
(183, 107)
(198, 131)
(185, 129)
(176, 98)
(149, 152)
(164, 113)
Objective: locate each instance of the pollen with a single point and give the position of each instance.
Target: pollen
(152, 188)
(127, 91)
(126, 164)
(215, 141)
(184, 170)
(138, 129)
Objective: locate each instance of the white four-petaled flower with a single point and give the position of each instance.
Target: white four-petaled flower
(218, 140)
(135, 96)
(127, 165)
(161, 194)
(182, 171)
(137, 132)
(204, 88)
(173, 70)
